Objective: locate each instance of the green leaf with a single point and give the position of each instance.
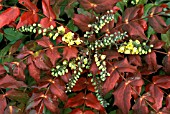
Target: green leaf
(67, 111)
(166, 38)
(1, 37)
(71, 26)
(150, 31)
(143, 1)
(13, 35)
(3, 52)
(113, 112)
(147, 7)
(121, 5)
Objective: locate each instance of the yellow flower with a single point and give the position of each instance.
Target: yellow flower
(121, 49)
(78, 41)
(71, 42)
(61, 30)
(127, 52)
(130, 46)
(137, 42)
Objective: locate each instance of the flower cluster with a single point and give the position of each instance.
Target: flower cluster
(68, 38)
(100, 23)
(77, 65)
(108, 40)
(101, 64)
(134, 47)
(60, 70)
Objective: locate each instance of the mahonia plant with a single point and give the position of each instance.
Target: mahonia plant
(85, 57)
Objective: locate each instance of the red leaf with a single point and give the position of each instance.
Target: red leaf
(156, 21)
(88, 112)
(166, 63)
(50, 105)
(140, 107)
(47, 10)
(162, 81)
(58, 88)
(10, 82)
(53, 54)
(122, 96)
(135, 60)
(12, 110)
(151, 62)
(34, 101)
(168, 102)
(3, 104)
(134, 29)
(66, 77)
(98, 6)
(76, 100)
(92, 102)
(157, 94)
(29, 5)
(46, 22)
(45, 42)
(82, 21)
(15, 47)
(27, 18)
(40, 60)
(12, 12)
(124, 66)
(111, 54)
(2, 70)
(93, 68)
(33, 70)
(70, 52)
(108, 27)
(18, 70)
(157, 44)
(76, 111)
(83, 83)
(110, 82)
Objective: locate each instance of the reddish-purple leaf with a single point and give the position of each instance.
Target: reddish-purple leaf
(33, 70)
(93, 68)
(45, 42)
(124, 66)
(162, 81)
(166, 63)
(98, 6)
(122, 96)
(47, 10)
(156, 21)
(134, 29)
(13, 110)
(12, 12)
(27, 18)
(111, 54)
(157, 94)
(58, 88)
(29, 5)
(53, 55)
(76, 100)
(3, 104)
(2, 70)
(82, 21)
(9, 82)
(92, 102)
(70, 52)
(48, 102)
(151, 62)
(76, 111)
(157, 44)
(46, 22)
(135, 60)
(18, 70)
(40, 60)
(66, 77)
(83, 83)
(140, 107)
(15, 47)
(110, 82)
(168, 102)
